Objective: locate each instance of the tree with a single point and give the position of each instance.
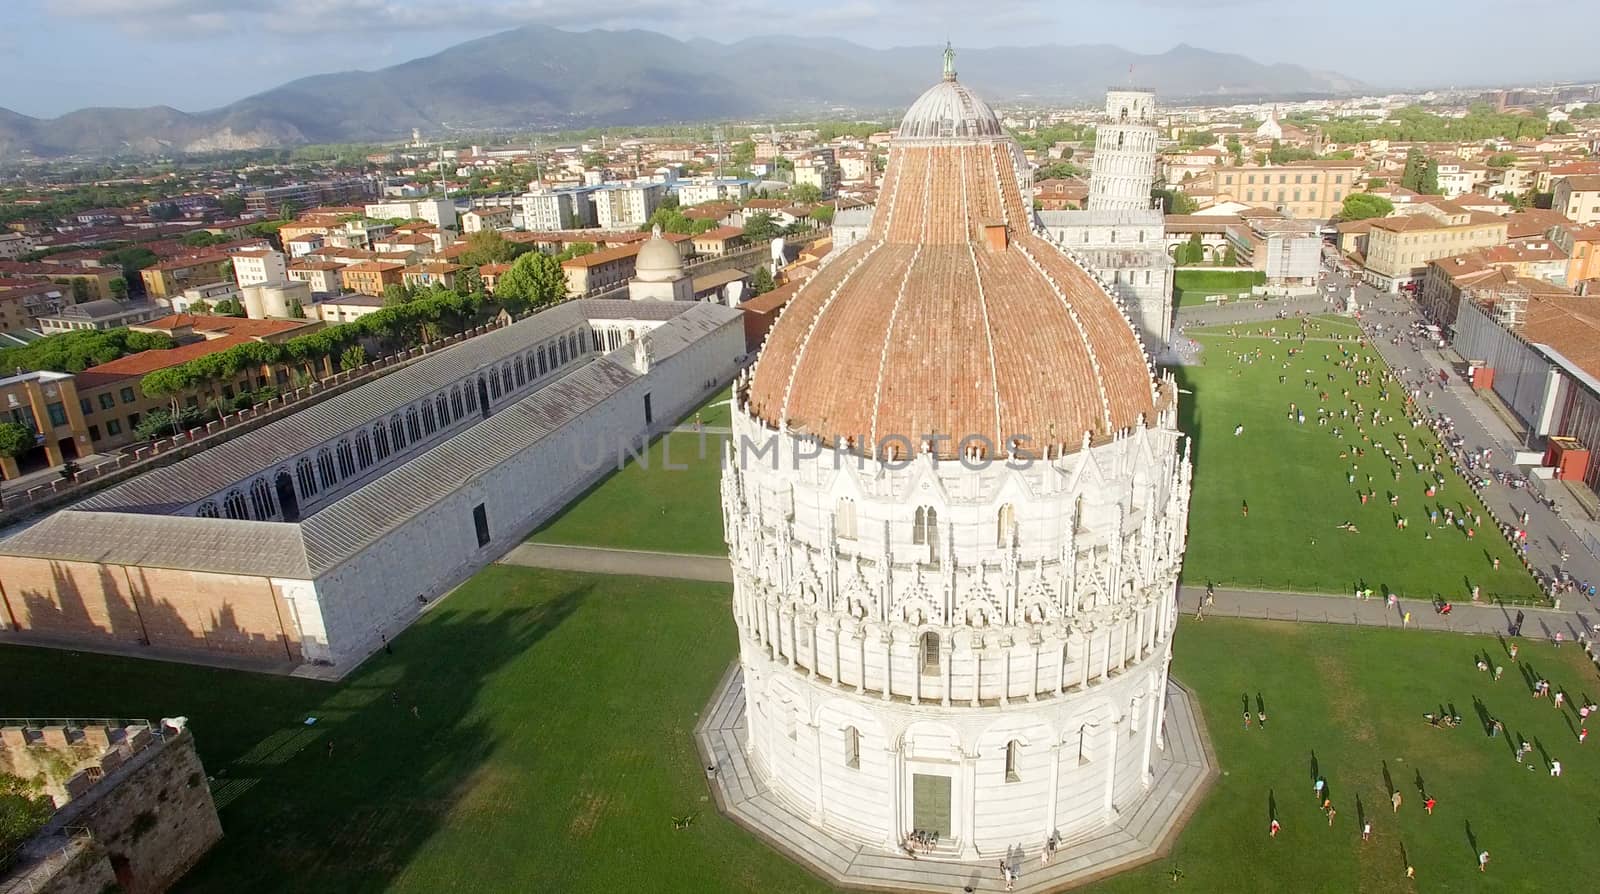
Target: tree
(80, 291)
(534, 279)
(1429, 184)
(118, 287)
(23, 811)
(1411, 177)
(1060, 170)
(1501, 160)
(131, 259)
(229, 307)
(354, 357)
(806, 193)
(203, 239)
(489, 247)
(595, 160)
(200, 307)
(1377, 183)
(296, 309)
(761, 281)
(1174, 201)
(1230, 258)
(822, 214)
(15, 439)
(760, 227)
(1364, 205)
(231, 204)
(395, 294)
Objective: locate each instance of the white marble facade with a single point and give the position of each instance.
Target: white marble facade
(974, 649)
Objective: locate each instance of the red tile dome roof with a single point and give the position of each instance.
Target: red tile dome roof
(951, 317)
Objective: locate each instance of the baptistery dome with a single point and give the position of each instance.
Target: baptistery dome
(951, 317)
(969, 653)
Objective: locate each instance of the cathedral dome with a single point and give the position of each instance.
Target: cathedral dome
(658, 259)
(951, 317)
(949, 110)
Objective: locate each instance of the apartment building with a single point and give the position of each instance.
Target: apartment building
(1399, 248)
(371, 277)
(47, 404)
(1304, 190)
(1578, 197)
(260, 267)
(626, 206)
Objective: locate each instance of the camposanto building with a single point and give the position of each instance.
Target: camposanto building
(307, 539)
(955, 504)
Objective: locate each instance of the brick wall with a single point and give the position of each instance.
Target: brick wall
(168, 608)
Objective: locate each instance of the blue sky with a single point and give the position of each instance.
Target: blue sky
(198, 54)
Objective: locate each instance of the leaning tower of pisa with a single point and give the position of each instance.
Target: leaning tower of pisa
(1124, 152)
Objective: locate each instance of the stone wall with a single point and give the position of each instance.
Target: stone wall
(137, 820)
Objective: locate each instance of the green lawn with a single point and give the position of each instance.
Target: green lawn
(716, 412)
(669, 502)
(1352, 700)
(543, 759)
(1190, 287)
(1295, 481)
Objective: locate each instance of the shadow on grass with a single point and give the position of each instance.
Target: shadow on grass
(409, 749)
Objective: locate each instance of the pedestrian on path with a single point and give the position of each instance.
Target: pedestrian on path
(1483, 861)
(1272, 829)
(1318, 786)
(1394, 798)
(1555, 769)
(1406, 620)
(1583, 734)
(1366, 831)
(1008, 874)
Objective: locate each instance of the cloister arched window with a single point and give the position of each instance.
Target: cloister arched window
(397, 432)
(1004, 522)
(307, 476)
(262, 506)
(928, 652)
(470, 395)
(455, 402)
(363, 445)
(429, 424)
(207, 509)
(234, 506)
(325, 467)
(561, 349)
(506, 376)
(413, 425)
(852, 748)
(522, 372)
(441, 405)
(1012, 748)
(542, 367)
(347, 459)
(380, 441)
(844, 518)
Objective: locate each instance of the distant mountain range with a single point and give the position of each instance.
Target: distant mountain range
(543, 78)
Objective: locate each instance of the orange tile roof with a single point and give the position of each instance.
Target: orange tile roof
(145, 362)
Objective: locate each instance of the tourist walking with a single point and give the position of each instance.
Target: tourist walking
(1366, 831)
(1394, 798)
(1429, 804)
(1008, 874)
(1272, 829)
(1483, 861)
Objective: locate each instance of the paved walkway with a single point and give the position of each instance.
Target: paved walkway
(1488, 620)
(598, 560)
